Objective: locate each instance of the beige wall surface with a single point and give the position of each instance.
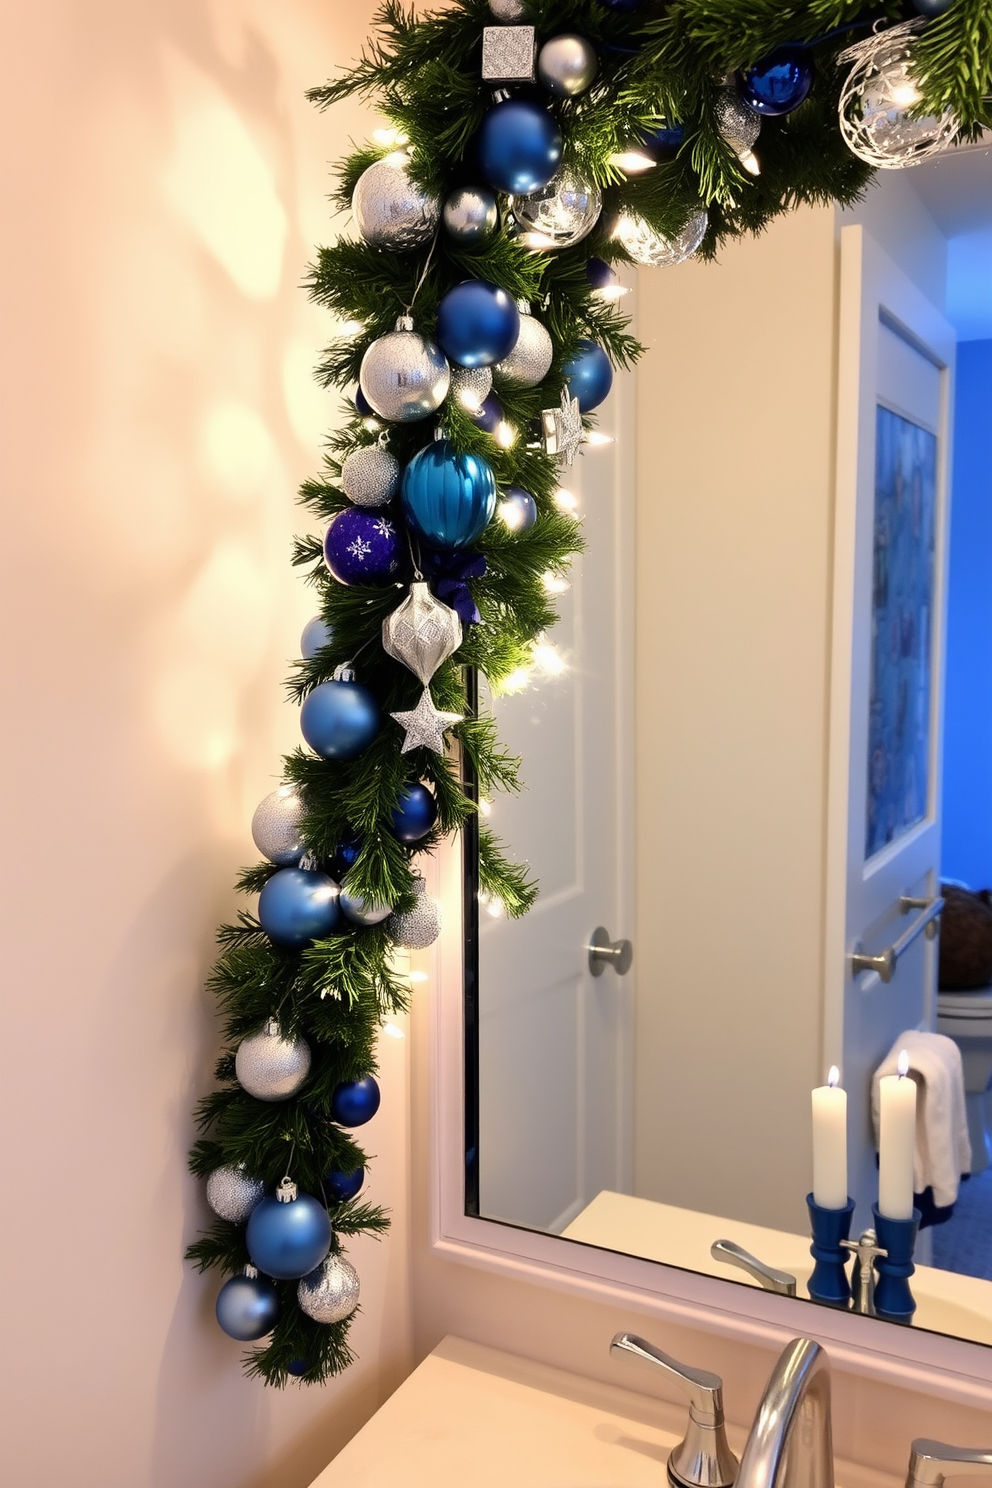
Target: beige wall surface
(164, 183)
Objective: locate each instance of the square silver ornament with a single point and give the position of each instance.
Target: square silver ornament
(509, 54)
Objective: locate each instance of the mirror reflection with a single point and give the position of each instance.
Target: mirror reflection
(757, 749)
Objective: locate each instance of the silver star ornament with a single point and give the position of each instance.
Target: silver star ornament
(425, 725)
(563, 429)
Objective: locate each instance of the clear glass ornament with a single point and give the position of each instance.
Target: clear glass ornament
(561, 214)
(877, 100)
(651, 248)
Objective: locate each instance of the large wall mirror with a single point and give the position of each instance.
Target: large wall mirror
(753, 748)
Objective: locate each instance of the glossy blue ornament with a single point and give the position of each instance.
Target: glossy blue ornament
(489, 415)
(518, 509)
(362, 547)
(519, 145)
(344, 1186)
(316, 635)
(932, 8)
(779, 83)
(247, 1307)
(339, 719)
(298, 1367)
(363, 405)
(415, 813)
(477, 324)
(344, 857)
(288, 1240)
(662, 143)
(355, 1101)
(297, 906)
(601, 275)
(448, 499)
(589, 375)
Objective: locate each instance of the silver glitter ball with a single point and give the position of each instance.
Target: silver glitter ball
(422, 632)
(270, 1067)
(275, 827)
(422, 926)
(650, 248)
(567, 65)
(232, 1194)
(404, 376)
(360, 911)
(530, 360)
(739, 125)
(508, 10)
(370, 476)
(470, 215)
(471, 386)
(330, 1294)
(316, 635)
(562, 213)
(390, 211)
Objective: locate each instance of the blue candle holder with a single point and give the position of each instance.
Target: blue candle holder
(829, 1282)
(897, 1237)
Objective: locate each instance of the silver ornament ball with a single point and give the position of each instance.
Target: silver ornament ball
(232, 1194)
(390, 211)
(330, 1294)
(370, 476)
(316, 635)
(275, 827)
(361, 911)
(404, 376)
(422, 632)
(563, 213)
(422, 926)
(567, 65)
(471, 386)
(470, 215)
(270, 1067)
(651, 248)
(530, 360)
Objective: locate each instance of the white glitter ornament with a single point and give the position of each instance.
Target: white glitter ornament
(275, 827)
(330, 1294)
(270, 1067)
(371, 476)
(390, 211)
(651, 248)
(530, 360)
(561, 214)
(877, 100)
(422, 632)
(404, 376)
(232, 1194)
(422, 926)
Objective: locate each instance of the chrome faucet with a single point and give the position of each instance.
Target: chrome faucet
(931, 1461)
(791, 1443)
(732, 1254)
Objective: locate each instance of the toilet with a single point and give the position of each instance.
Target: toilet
(966, 1017)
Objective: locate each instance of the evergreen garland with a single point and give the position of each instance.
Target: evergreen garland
(666, 60)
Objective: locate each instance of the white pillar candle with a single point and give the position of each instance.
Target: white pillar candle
(896, 1142)
(830, 1143)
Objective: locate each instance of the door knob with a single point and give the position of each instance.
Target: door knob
(604, 952)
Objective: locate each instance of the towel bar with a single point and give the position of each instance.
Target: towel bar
(886, 961)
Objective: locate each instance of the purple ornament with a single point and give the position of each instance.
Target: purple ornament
(490, 414)
(362, 547)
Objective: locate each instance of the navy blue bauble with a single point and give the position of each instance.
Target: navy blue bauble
(662, 143)
(362, 547)
(344, 857)
(779, 83)
(247, 1307)
(601, 275)
(589, 375)
(448, 499)
(363, 405)
(623, 7)
(518, 509)
(477, 324)
(339, 719)
(297, 1367)
(288, 1240)
(415, 813)
(489, 415)
(344, 1186)
(519, 147)
(932, 8)
(297, 906)
(355, 1101)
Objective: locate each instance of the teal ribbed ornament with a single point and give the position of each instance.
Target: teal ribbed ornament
(448, 499)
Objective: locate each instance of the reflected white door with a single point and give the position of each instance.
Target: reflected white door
(895, 374)
(555, 1066)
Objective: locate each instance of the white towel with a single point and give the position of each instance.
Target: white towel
(943, 1149)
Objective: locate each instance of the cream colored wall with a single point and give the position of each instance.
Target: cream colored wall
(164, 182)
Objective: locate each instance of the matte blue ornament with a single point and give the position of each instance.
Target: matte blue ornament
(779, 83)
(316, 635)
(247, 1307)
(662, 143)
(288, 1237)
(344, 1186)
(355, 1101)
(448, 499)
(518, 509)
(363, 405)
(339, 719)
(519, 146)
(489, 416)
(298, 1367)
(477, 324)
(297, 906)
(415, 813)
(362, 547)
(589, 375)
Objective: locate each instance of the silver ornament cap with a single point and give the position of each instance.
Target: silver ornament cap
(270, 1067)
(419, 928)
(330, 1294)
(530, 360)
(567, 65)
(275, 827)
(422, 632)
(232, 1193)
(390, 211)
(361, 911)
(370, 476)
(405, 376)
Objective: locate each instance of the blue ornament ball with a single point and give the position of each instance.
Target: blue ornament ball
(519, 146)
(297, 906)
(344, 856)
(518, 509)
(362, 547)
(316, 635)
(339, 719)
(448, 499)
(622, 7)
(489, 415)
(288, 1240)
(589, 375)
(363, 405)
(344, 1186)
(779, 83)
(355, 1101)
(932, 8)
(601, 275)
(662, 143)
(247, 1307)
(477, 324)
(297, 1367)
(415, 813)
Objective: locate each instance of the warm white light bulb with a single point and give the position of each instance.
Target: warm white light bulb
(594, 437)
(554, 583)
(610, 292)
(538, 242)
(548, 659)
(506, 435)
(390, 137)
(514, 681)
(485, 807)
(565, 501)
(632, 162)
(749, 161)
(393, 1030)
